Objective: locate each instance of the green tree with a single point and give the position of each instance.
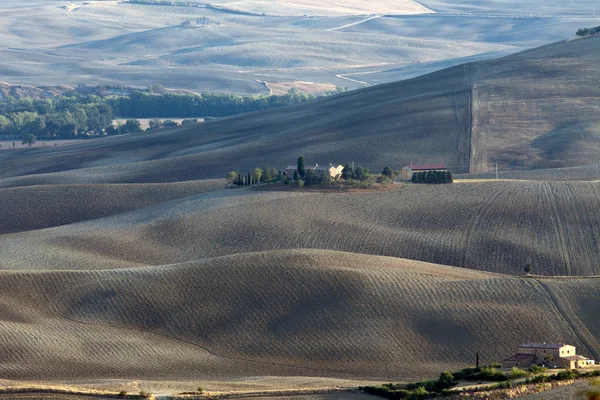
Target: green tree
(5, 125)
(300, 167)
(548, 358)
(257, 174)
(347, 173)
(295, 175)
(360, 173)
(154, 124)
(415, 177)
(131, 126)
(189, 121)
(387, 172)
(299, 183)
(269, 174)
(28, 138)
(446, 380)
(450, 177)
(169, 123)
(233, 177)
(527, 268)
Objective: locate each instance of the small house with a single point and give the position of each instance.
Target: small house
(407, 172)
(558, 354)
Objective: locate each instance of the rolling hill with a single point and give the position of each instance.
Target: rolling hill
(490, 226)
(251, 43)
(301, 313)
(526, 111)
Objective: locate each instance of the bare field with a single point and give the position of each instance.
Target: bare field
(491, 226)
(288, 313)
(39, 207)
(249, 41)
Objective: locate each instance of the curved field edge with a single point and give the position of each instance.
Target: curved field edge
(283, 313)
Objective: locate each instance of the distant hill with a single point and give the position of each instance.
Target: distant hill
(531, 110)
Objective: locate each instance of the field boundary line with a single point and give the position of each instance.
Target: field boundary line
(566, 311)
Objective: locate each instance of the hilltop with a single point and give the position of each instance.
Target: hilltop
(526, 111)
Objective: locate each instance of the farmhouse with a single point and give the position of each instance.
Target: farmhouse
(332, 170)
(560, 354)
(407, 172)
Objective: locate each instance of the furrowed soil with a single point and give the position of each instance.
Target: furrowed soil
(490, 226)
(282, 313)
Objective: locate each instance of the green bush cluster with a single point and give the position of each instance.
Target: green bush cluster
(357, 173)
(588, 31)
(415, 390)
(490, 373)
(266, 174)
(433, 177)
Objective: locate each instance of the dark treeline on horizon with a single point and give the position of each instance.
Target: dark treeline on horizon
(76, 114)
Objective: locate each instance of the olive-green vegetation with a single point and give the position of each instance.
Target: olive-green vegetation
(75, 115)
(447, 380)
(433, 177)
(588, 31)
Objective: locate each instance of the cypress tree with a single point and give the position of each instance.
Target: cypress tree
(450, 177)
(415, 177)
(300, 168)
(429, 177)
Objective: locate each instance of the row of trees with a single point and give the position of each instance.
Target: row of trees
(588, 31)
(433, 177)
(266, 174)
(169, 123)
(148, 105)
(303, 176)
(76, 114)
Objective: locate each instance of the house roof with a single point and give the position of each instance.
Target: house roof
(575, 358)
(521, 357)
(543, 345)
(426, 167)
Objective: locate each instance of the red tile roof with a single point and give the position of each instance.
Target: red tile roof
(426, 167)
(575, 358)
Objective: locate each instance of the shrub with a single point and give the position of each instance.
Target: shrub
(200, 389)
(387, 172)
(233, 177)
(536, 369)
(299, 183)
(122, 393)
(189, 121)
(517, 373)
(169, 123)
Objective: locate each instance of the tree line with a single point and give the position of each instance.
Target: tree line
(148, 105)
(587, 31)
(303, 176)
(433, 177)
(92, 115)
